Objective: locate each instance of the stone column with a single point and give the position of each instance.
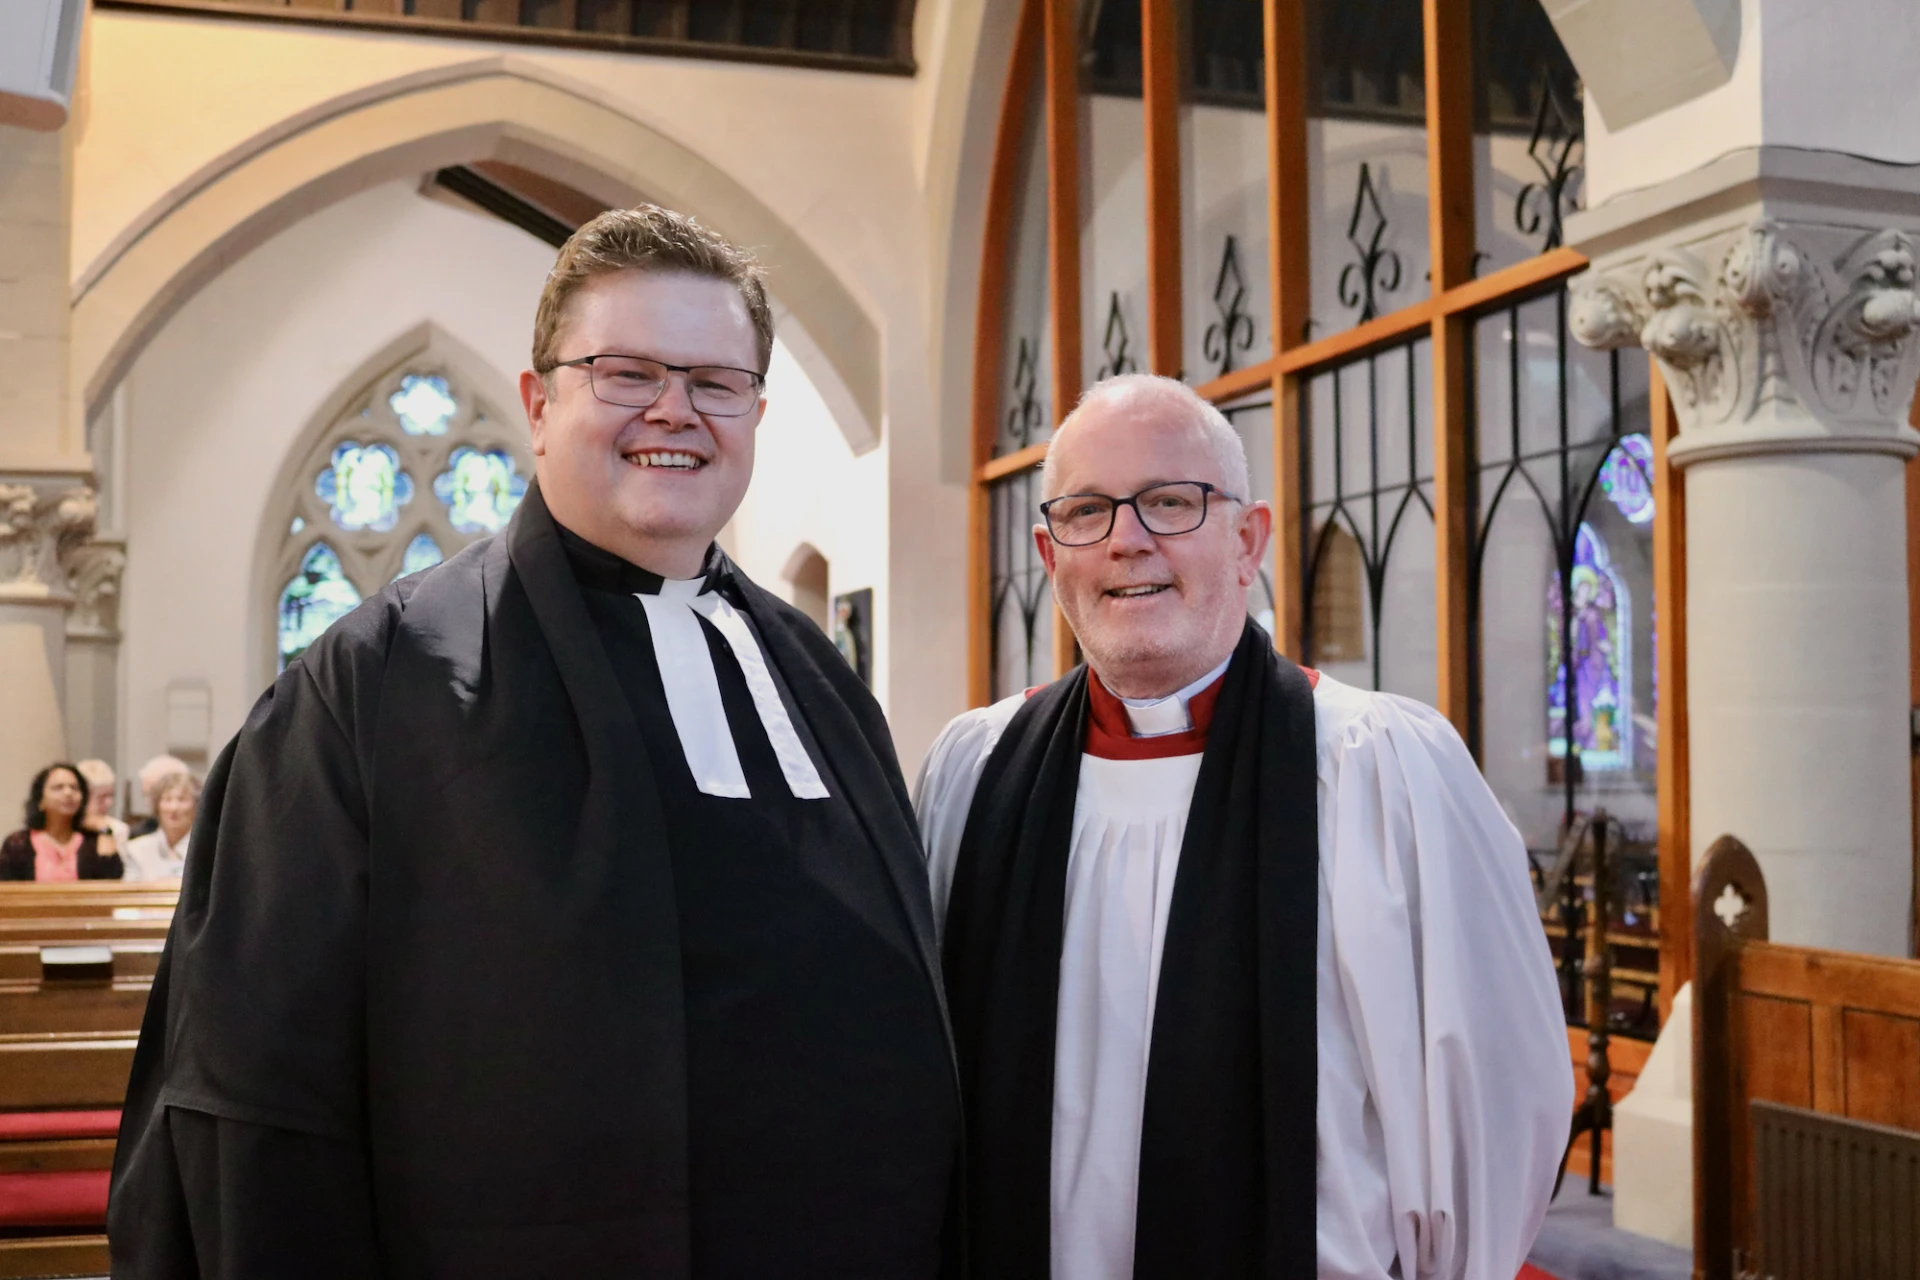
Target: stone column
(93, 650)
(46, 502)
(1790, 340)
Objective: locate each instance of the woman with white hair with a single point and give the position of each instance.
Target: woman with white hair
(161, 854)
(100, 794)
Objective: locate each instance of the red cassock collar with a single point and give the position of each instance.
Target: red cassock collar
(1110, 733)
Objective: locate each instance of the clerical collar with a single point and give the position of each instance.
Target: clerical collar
(674, 609)
(1151, 728)
(602, 570)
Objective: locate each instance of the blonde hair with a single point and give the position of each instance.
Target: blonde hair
(646, 238)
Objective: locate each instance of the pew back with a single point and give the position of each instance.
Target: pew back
(1829, 1033)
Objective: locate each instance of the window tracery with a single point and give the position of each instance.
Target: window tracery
(415, 469)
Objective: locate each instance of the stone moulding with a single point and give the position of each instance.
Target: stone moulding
(1773, 336)
(44, 520)
(94, 571)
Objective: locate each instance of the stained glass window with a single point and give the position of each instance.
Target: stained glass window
(364, 487)
(480, 489)
(315, 598)
(424, 404)
(422, 553)
(1627, 477)
(1596, 626)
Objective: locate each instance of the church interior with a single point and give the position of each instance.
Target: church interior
(1573, 342)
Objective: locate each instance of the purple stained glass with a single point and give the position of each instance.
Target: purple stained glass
(1626, 477)
(1597, 627)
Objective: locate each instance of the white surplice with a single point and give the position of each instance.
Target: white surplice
(1445, 1084)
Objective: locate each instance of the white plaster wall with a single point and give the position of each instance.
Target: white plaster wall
(220, 396)
(809, 488)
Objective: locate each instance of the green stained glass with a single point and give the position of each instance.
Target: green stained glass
(364, 486)
(480, 489)
(314, 599)
(422, 553)
(423, 404)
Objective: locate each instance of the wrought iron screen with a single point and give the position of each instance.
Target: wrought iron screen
(1367, 548)
(1562, 625)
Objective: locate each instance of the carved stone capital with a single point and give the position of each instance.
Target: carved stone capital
(94, 572)
(1774, 337)
(44, 521)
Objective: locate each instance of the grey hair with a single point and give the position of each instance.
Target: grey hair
(1179, 402)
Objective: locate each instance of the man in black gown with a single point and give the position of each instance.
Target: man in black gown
(560, 912)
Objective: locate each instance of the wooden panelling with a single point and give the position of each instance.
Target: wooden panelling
(1062, 61)
(56, 1155)
(1452, 518)
(1882, 1077)
(1160, 22)
(1778, 1049)
(1913, 659)
(989, 330)
(1831, 977)
(1291, 285)
(33, 1008)
(64, 1071)
(1674, 818)
(1008, 463)
(59, 1256)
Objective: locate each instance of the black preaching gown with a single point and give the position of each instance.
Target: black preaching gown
(469, 980)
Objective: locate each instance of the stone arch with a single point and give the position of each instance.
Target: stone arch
(807, 574)
(500, 108)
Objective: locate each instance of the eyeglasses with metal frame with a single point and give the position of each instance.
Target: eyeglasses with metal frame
(636, 382)
(1176, 507)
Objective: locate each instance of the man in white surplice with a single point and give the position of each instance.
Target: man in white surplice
(1441, 1085)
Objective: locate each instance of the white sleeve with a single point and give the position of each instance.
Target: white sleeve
(1446, 1088)
(943, 794)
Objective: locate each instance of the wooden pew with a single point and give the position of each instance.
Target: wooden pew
(1806, 1096)
(68, 1073)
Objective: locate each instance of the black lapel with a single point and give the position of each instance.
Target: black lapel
(859, 758)
(621, 809)
(1004, 928)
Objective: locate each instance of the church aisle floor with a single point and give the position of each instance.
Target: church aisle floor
(1580, 1242)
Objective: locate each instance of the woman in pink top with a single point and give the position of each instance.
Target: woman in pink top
(60, 842)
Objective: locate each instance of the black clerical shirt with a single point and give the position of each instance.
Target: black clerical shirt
(821, 1124)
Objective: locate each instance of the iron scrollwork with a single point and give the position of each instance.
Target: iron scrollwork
(1024, 419)
(1558, 130)
(1378, 269)
(1116, 344)
(1234, 330)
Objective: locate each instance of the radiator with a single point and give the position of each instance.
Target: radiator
(1834, 1199)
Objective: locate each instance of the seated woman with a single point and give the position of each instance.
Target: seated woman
(161, 854)
(60, 841)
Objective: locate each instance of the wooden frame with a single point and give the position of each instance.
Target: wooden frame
(1446, 317)
(495, 22)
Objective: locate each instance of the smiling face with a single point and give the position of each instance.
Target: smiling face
(1153, 612)
(652, 485)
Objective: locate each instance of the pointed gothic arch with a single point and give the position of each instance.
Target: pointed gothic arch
(502, 108)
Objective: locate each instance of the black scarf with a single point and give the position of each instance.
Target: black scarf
(1227, 1150)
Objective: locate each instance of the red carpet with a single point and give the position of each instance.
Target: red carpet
(1530, 1272)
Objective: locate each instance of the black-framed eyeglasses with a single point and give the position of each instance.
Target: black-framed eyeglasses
(635, 382)
(1179, 506)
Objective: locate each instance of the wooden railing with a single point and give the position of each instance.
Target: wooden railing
(1832, 1041)
(837, 35)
